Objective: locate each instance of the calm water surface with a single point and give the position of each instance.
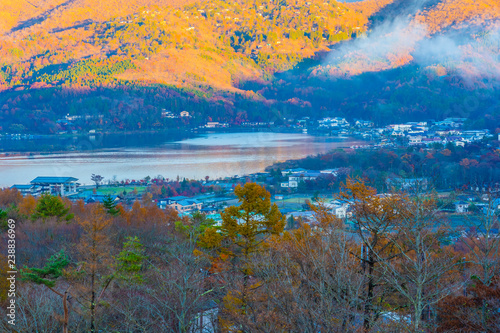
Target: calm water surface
(213, 155)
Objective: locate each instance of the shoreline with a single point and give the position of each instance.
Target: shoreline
(218, 158)
(92, 141)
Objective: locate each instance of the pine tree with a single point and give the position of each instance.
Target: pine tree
(48, 276)
(110, 206)
(49, 206)
(246, 227)
(130, 260)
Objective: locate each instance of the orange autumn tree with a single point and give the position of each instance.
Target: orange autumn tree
(94, 273)
(375, 217)
(243, 231)
(424, 272)
(27, 206)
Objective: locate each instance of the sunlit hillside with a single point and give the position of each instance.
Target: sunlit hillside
(33, 15)
(224, 60)
(459, 13)
(214, 44)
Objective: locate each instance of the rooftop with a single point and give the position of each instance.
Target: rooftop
(22, 186)
(53, 180)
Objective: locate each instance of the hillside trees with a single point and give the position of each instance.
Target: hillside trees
(310, 281)
(388, 266)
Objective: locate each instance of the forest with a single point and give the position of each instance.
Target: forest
(244, 61)
(105, 268)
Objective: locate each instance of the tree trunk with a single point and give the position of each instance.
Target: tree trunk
(66, 312)
(369, 297)
(92, 306)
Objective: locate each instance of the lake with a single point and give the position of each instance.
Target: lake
(214, 155)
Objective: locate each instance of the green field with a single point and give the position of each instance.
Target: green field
(115, 190)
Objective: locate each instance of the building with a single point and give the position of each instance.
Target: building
(292, 171)
(363, 123)
(184, 114)
(415, 139)
(182, 204)
(341, 210)
(28, 189)
(187, 205)
(167, 114)
(171, 200)
(408, 184)
(333, 172)
(290, 184)
(461, 207)
(333, 122)
(216, 124)
(295, 178)
(401, 127)
(62, 186)
(309, 175)
(100, 198)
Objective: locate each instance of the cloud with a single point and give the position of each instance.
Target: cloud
(400, 40)
(389, 45)
(470, 55)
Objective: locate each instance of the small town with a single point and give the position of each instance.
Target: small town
(419, 133)
(291, 193)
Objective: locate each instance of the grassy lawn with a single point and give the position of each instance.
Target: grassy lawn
(115, 190)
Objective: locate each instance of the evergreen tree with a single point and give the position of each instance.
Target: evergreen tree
(50, 205)
(48, 276)
(130, 260)
(110, 206)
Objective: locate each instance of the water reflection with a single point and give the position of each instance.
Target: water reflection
(213, 155)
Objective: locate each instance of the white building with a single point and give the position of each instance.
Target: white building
(62, 186)
(339, 209)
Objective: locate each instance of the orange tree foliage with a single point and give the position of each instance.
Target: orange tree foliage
(27, 206)
(244, 229)
(477, 311)
(452, 12)
(9, 197)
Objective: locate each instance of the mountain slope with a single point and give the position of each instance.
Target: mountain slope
(250, 38)
(236, 61)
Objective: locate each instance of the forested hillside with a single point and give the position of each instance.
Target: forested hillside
(126, 61)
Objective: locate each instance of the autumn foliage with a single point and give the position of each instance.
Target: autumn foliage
(393, 265)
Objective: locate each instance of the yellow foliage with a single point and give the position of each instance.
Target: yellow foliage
(27, 205)
(210, 239)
